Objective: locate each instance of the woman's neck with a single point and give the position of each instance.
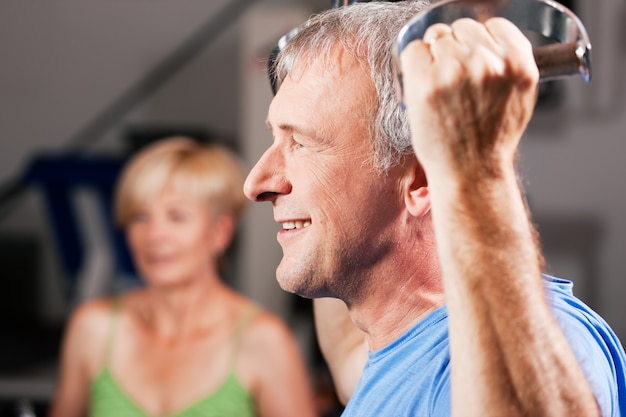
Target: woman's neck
(185, 310)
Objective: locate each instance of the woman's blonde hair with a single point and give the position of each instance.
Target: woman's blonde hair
(210, 173)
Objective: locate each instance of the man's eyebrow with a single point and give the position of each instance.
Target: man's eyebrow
(286, 127)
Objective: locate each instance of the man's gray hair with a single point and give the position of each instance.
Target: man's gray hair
(368, 32)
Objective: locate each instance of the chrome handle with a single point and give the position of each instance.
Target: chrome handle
(568, 54)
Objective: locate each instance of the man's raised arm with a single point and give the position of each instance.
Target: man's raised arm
(470, 91)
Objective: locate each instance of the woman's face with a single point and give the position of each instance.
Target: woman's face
(175, 239)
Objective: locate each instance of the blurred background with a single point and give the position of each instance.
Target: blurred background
(84, 84)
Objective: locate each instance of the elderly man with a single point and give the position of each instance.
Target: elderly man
(415, 219)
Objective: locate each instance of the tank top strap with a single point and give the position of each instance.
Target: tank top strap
(116, 303)
(242, 322)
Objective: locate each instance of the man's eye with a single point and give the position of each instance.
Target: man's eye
(299, 142)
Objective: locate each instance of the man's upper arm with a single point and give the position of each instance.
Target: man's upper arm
(343, 345)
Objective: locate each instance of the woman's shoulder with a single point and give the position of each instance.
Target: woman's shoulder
(271, 359)
(257, 328)
(265, 328)
(92, 315)
(87, 331)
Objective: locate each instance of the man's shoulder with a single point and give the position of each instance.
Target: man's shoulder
(410, 376)
(597, 348)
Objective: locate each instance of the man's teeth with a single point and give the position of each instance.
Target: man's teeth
(298, 224)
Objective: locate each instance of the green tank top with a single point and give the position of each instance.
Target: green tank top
(107, 399)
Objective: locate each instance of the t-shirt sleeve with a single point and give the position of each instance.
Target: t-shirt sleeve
(598, 350)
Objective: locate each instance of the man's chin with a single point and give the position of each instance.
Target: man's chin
(295, 285)
(288, 284)
(303, 288)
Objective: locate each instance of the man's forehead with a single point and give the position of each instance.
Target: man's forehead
(333, 58)
(308, 84)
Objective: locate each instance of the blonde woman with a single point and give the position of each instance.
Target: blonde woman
(185, 344)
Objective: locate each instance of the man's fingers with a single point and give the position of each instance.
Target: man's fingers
(519, 49)
(473, 34)
(435, 32)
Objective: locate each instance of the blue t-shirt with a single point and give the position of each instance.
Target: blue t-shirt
(411, 376)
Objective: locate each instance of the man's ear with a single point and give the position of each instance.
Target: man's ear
(415, 188)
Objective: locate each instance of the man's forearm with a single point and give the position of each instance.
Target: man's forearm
(508, 355)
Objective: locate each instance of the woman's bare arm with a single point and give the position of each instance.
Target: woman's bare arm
(81, 344)
(282, 387)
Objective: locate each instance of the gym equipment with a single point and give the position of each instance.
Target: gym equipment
(567, 53)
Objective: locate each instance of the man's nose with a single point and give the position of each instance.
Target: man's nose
(267, 179)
